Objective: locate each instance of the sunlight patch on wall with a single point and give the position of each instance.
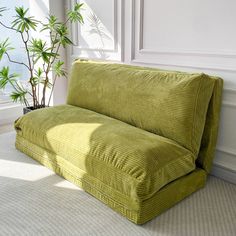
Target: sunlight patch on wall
(94, 34)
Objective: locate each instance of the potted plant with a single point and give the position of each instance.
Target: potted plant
(42, 57)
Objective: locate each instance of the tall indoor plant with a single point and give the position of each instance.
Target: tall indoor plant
(42, 56)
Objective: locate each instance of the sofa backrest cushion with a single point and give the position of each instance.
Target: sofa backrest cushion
(171, 104)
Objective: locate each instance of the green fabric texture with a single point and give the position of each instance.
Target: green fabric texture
(170, 104)
(142, 212)
(209, 137)
(130, 160)
(139, 139)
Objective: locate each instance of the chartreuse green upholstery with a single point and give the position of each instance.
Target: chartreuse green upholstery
(138, 139)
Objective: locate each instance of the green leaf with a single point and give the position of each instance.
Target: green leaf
(19, 96)
(6, 78)
(62, 32)
(39, 72)
(65, 41)
(3, 83)
(39, 48)
(38, 76)
(75, 15)
(58, 70)
(52, 23)
(4, 47)
(23, 22)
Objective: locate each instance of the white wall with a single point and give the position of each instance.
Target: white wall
(101, 35)
(186, 35)
(57, 8)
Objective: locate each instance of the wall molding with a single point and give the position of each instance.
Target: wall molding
(116, 51)
(226, 150)
(224, 165)
(173, 51)
(140, 55)
(183, 65)
(224, 173)
(229, 104)
(115, 27)
(190, 52)
(230, 90)
(229, 99)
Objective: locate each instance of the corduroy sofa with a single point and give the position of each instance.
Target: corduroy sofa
(138, 139)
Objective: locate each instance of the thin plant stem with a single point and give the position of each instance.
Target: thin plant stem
(7, 27)
(30, 69)
(53, 85)
(16, 62)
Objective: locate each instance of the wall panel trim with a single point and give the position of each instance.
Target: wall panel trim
(117, 52)
(141, 55)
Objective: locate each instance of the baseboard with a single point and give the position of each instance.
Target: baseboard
(224, 173)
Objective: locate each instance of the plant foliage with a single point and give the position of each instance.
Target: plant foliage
(42, 56)
(22, 22)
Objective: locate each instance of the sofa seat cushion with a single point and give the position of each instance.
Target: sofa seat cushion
(130, 160)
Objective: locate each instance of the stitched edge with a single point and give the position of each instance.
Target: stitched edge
(195, 112)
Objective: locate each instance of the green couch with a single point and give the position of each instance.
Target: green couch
(138, 139)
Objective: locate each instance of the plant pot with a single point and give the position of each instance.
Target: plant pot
(29, 109)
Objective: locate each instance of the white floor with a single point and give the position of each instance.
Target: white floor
(35, 201)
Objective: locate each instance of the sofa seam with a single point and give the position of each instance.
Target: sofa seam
(194, 116)
(166, 166)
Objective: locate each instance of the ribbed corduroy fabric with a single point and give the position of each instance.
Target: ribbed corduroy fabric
(129, 135)
(130, 160)
(172, 105)
(138, 213)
